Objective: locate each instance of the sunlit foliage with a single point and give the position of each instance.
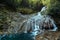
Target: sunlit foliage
(46, 2)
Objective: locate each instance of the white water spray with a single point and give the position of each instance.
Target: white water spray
(37, 23)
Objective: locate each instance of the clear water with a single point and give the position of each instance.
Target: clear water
(23, 36)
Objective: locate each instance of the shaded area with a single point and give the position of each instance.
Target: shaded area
(18, 36)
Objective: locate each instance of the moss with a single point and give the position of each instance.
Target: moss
(26, 11)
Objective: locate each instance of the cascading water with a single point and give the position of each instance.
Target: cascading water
(34, 25)
(39, 23)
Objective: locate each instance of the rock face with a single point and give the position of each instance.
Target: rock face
(57, 20)
(17, 22)
(49, 36)
(58, 38)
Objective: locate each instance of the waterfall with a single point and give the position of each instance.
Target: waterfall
(39, 23)
(35, 25)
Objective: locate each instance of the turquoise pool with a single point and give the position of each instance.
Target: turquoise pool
(23, 36)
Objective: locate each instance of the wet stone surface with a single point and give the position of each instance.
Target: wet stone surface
(49, 36)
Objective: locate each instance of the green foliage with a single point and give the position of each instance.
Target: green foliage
(15, 4)
(11, 4)
(35, 4)
(34, 1)
(46, 2)
(54, 8)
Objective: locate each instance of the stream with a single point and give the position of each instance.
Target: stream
(34, 25)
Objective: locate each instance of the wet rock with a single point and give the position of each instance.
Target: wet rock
(58, 38)
(57, 21)
(49, 36)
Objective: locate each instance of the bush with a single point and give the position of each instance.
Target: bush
(54, 8)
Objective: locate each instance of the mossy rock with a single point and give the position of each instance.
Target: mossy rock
(26, 11)
(4, 17)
